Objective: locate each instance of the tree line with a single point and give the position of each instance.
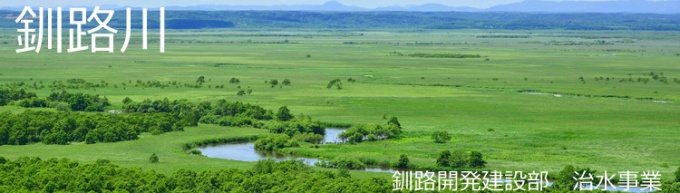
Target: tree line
(360, 133)
(62, 175)
(66, 127)
(33, 174)
(67, 101)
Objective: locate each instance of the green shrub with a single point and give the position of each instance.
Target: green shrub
(441, 136)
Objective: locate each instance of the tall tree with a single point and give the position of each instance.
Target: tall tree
(284, 114)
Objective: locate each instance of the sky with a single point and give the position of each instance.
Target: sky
(359, 3)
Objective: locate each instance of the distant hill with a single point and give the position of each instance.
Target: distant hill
(620, 6)
(430, 7)
(363, 20)
(614, 6)
(328, 6)
(624, 6)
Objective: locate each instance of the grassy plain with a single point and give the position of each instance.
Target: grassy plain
(474, 99)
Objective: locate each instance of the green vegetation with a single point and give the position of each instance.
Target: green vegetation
(444, 159)
(458, 159)
(380, 20)
(63, 175)
(337, 83)
(283, 114)
(430, 55)
(342, 162)
(403, 161)
(275, 142)
(441, 136)
(153, 158)
(605, 100)
(476, 160)
(9, 95)
(63, 127)
(359, 133)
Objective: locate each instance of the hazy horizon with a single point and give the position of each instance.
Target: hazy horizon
(357, 3)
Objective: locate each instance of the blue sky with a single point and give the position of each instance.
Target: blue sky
(360, 3)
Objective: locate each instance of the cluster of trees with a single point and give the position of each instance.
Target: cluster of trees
(451, 55)
(75, 102)
(274, 142)
(503, 36)
(674, 185)
(342, 162)
(441, 136)
(236, 114)
(274, 82)
(337, 83)
(244, 92)
(66, 127)
(581, 43)
(159, 84)
(313, 138)
(204, 142)
(292, 128)
(359, 133)
(459, 159)
(9, 95)
(223, 113)
(566, 178)
(295, 130)
(80, 101)
(403, 161)
(34, 103)
(63, 175)
(78, 83)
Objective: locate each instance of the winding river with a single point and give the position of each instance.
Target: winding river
(246, 152)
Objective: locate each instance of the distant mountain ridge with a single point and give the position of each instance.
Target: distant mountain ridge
(625, 6)
(620, 6)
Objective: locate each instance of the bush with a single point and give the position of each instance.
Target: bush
(62, 106)
(677, 175)
(286, 82)
(476, 160)
(342, 162)
(444, 159)
(273, 83)
(403, 162)
(337, 83)
(80, 101)
(441, 136)
(275, 142)
(153, 158)
(565, 179)
(309, 138)
(284, 114)
(394, 121)
(458, 159)
(195, 152)
(33, 103)
(374, 132)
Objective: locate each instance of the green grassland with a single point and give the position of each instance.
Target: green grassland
(474, 99)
